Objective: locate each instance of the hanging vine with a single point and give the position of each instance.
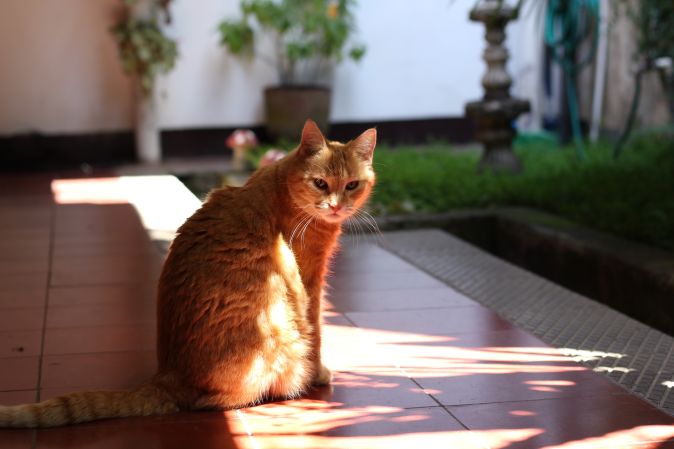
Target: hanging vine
(144, 50)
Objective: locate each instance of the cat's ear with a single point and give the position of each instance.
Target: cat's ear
(365, 143)
(312, 139)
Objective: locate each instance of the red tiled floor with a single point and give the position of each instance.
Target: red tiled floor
(382, 300)
(102, 294)
(370, 259)
(110, 269)
(22, 319)
(447, 321)
(16, 439)
(19, 373)
(20, 343)
(382, 281)
(580, 422)
(88, 315)
(22, 297)
(26, 281)
(25, 217)
(186, 430)
(86, 371)
(415, 344)
(83, 340)
(315, 425)
(24, 265)
(362, 389)
(17, 397)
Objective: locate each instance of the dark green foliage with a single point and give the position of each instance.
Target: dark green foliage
(654, 23)
(632, 196)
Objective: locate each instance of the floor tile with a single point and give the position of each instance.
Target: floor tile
(32, 237)
(475, 383)
(382, 281)
(16, 439)
(98, 221)
(208, 431)
(18, 373)
(362, 389)
(25, 217)
(88, 315)
(313, 425)
(17, 397)
(25, 252)
(606, 422)
(447, 321)
(423, 354)
(401, 299)
(102, 294)
(79, 246)
(20, 343)
(370, 259)
(83, 340)
(22, 297)
(24, 265)
(105, 270)
(22, 319)
(86, 371)
(339, 340)
(25, 183)
(23, 281)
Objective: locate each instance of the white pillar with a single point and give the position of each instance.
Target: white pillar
(148, 146)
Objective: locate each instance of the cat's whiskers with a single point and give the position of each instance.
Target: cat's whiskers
(298, 226)
(304, 229)
(358, 229)
(367, 219)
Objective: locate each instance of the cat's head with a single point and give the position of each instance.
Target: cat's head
(331, 180)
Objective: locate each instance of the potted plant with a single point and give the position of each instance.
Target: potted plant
(145, 51)
(310, 37)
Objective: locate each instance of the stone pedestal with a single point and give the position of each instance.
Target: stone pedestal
(494, 114)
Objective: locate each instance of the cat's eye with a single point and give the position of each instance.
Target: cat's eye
(352, 185)
(320, 184)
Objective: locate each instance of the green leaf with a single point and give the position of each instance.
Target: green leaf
(304, 30)
(357, 53)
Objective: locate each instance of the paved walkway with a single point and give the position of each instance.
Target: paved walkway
(634, 355)
(418, 364)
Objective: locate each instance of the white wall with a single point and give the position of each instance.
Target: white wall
(60, 71)
(58, 68)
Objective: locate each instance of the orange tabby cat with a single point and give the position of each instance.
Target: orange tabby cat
(239, 300)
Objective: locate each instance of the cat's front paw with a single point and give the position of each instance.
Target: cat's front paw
(323, 376)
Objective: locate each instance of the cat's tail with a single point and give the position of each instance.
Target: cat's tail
(74, 408)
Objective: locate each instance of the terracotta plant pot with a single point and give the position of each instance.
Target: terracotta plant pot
(288, 107)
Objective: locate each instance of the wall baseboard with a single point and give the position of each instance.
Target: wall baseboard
(35, 151)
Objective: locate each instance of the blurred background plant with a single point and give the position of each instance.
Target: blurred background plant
(630, 197)
(309, 36)
(653, 21)
(144, 50)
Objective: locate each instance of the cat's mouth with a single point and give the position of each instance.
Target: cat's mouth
(332, 216)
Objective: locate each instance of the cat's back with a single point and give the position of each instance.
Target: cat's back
(231, 216)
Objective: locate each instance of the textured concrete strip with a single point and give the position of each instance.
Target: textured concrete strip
(639, 358)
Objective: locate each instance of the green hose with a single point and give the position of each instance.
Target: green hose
(568, 23)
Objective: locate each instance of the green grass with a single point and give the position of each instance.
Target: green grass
(632, 196)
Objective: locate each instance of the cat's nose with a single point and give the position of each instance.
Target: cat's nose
(335, 207)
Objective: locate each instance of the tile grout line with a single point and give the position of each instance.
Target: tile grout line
(404, 372)
(52, 237)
